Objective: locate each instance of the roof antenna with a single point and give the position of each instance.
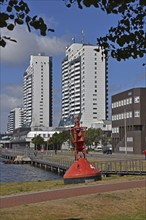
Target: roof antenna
(83, 37)
(73, 39)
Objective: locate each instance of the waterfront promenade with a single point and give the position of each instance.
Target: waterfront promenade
(48, 195)
(116, 164)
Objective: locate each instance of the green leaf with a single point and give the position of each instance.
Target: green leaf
(19, 21)
(9, 9)
(10, 27)
(28, 19)
(13, 2)
(2, 43)
(17, 8)
(11, 16)
(21, 15)
(87, 3)
(68, 5)
(4, 16)
(143, 2)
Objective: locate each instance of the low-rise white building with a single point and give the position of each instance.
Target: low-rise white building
(44, 134)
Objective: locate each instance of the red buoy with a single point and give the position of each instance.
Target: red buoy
(81, 171)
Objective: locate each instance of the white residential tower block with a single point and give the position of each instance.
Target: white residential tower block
(84, 85)
(37, 87)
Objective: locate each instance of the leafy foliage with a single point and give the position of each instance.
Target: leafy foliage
(56, 141)
(16, 12)
(97, 136)
(92, 136)
(38, 141)
(128, 38)
(125, 40)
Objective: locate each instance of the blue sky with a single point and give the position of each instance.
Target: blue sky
(68, 23)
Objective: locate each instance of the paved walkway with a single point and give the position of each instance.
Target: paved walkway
(21, 199)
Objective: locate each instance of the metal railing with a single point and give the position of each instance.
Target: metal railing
(122, 166)
(127, 166)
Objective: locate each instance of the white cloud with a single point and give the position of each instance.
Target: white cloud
(28, 43)
(10, 97)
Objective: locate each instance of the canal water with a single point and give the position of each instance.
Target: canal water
(23, 173)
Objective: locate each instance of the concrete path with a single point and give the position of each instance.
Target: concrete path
(21, 199)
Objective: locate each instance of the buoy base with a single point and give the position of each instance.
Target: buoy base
(82, 179)
(81, 171)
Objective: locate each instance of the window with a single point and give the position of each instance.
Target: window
(127, 115)
(137, 114)
(115, 130)
(130, 114)
(138, 127)
(129, 93)
(136, 99)
(129, 139)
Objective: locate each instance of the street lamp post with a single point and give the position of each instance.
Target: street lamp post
(125, 124)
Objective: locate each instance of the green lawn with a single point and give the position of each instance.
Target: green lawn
(118, 205)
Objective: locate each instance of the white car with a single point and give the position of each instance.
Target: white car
(98, 148)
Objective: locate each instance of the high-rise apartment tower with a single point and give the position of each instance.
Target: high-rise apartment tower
(37, 89)
(84, 85)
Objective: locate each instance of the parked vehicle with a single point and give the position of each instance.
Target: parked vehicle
(107, 149)
(98, 148)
